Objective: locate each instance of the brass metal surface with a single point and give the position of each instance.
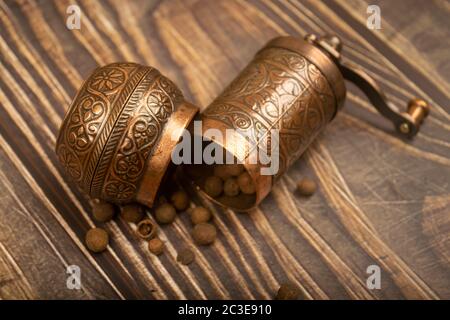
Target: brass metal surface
(418, 109)
(290, 86)
(160, 160)
(113, 127)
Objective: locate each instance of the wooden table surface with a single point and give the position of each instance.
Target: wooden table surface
(381, 200)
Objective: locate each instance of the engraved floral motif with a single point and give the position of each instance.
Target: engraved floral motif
(160, 104)
(107, 79)
(144, 131)
(119, 190)
(70, 162)
(171, 90)
(85, 122)
(129, 167)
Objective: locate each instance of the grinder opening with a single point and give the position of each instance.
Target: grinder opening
(240, 174)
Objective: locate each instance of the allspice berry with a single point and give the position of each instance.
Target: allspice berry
(213, 186)
(180, 200)
(102, 211)
(132, 213)
(97, 239)
(288, 291)
(185, 256)
(156, 246)
(231, 187)
(165, 213)
(246, 183)
(204, 234)
(306, 187)
(221, 171)
(146, 229)
(200, 215)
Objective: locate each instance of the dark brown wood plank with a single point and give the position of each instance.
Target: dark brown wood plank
(374, 189)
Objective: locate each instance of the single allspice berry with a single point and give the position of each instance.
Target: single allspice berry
(213, 186)
(165, 213)
(246, 183)
(200, 215)
(102, 211)
(132, 213)
(156, 246)
(97, 239)
(288, 291)
(231, 187)
(185, 256)
(306, 187)
(204, 234)
(146, 229)
(180, 200)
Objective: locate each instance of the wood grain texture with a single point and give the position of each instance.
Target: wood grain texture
(381, 200)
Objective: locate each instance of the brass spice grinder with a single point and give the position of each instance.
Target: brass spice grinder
(116, 139)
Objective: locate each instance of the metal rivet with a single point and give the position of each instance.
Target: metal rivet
(404, 128)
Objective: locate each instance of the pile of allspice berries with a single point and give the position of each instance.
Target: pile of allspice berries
(229, 180)
(203, 231)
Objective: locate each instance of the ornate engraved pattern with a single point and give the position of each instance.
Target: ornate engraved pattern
(70, 162)
(107, 79)
(136, 133)
(91, 116)
(112, 127)
(280, 90)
